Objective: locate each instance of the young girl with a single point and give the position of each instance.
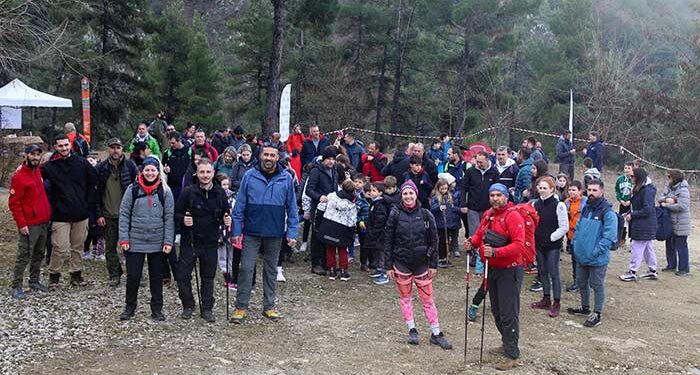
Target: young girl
(444, 205)
(337, 230)
(562, 186)
(553, 226)
(539, 169)
(574, 204)
(410, 257)
(225, 249)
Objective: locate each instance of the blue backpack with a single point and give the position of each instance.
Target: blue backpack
(664, 229)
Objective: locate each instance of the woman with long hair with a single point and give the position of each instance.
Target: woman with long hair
(676, 198)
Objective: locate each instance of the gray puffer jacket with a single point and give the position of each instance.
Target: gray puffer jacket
(680, 211)
(146, 225)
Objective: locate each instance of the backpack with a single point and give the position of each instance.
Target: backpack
(136, 189)
(664, 228)
(80, 146)
(620, 229)
(531, 220)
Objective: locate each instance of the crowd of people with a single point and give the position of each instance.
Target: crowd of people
(185, 201)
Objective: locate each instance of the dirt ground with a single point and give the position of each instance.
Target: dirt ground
(355, 327)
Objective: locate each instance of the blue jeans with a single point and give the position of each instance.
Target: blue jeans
(252, 246)
(677, 253)
(593, 276)
(548, 268)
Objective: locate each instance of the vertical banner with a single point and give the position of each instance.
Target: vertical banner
(571, 113)
(85, 94)
(285, 107)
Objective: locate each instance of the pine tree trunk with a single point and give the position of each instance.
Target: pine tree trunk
(301, 77)
(272, 102)
(397, 72)
(462, 90)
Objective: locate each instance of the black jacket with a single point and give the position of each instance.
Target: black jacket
(476, 186)
(127, 174)
(397, 167)
(321, 182)
(207, 209)
(563, 149)
(178, 161)
(220, 142)
(376, 224)
(73, 184)
(239, 169)
(411, 238)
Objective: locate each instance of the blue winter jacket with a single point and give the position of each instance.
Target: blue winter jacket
(263, 207)
(596, 152)
(643, 223)
(436, 155)
(452, 213)
(355, 152)
(523, 180)
(596, 232)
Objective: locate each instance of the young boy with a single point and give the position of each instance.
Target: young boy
(362, 213)
(374, 241)
(575, 204)
(420, 178)
(590, 173)
(623, 194)
(391, 191)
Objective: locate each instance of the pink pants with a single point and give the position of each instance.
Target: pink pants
(404, 284)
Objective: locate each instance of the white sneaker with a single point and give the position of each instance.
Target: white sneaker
(303, 247)
(88, 256)
(280, 275)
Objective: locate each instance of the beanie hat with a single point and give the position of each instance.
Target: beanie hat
(409, 185)
(447, 177)
(499, 188)
(328, 152)
(151, 160)
(238, 130)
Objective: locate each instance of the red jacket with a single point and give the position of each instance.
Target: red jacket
(294, 145)
(369, 168)
(28, 202)
(209, 151)
(508, 224)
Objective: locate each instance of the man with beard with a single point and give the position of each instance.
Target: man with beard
(176, 160)
(265, 214)
(313, 146)
(114, 175)
(31, 212)
(506, 167)
(566, 153)
(202, 145)
(373, 162)
(476, 183)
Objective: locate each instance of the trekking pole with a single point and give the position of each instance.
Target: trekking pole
(196, 271)
(447, 238)
(226, 247)
(466, 313)
(483, 314)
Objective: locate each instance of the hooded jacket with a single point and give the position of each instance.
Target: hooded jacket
(596, 152)
(397, 167)
(322, 181)
(595, 234)
(239, 170)
(221, 167)
(643, 221)
(355, 153)
(209, 151)
(523, 180)
(680, 211)
(508, 224)
(507, 173)
(376, 223)
(563, 149)
(411, 238)
(28, 201)
(179, 161)
(73, 187)
(476, 184)
(451, 218)
(144, 224)
(373, 168)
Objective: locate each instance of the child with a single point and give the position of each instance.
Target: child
(94, 246)
(574, 204)
(444, 205)
(362, 213)
(419, 178)
(591, 172)
(623, 194)
(562, 186)
(391, 191)
(225, 250)
(337, 229)
(374, 240)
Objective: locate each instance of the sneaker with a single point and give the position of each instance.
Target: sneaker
(280, 275)
(584, 311)
(473, 312)
(351, 260)
(344, 275)
(303, 246)
(572, 288)
(127, 314)
(536, 287)
(238, 316)
(233, 286)
(628, 276)
(592, 321)
(651, 275)
(531, 270)
(318, 270)
(682, 273)
(444, 263)
(187, 313)
(272, 314)
(332, 274)
(381, 280)
(668, 269)
(208, 316)
(543, 304)
(376, 273)
(88, 255)
(413, 336)
(554, 310)
(39, 287)
(457, 254)
(158, 316)
(17, 293)
(115, 281)
(440, 340)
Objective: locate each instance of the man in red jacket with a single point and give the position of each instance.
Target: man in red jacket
(31, 211)
(505, 273)
(373, 162)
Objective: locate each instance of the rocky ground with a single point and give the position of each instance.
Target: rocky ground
(649, 327)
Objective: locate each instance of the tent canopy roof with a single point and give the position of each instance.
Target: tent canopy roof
(17, 94)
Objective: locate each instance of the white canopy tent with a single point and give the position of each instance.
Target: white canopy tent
(16, 94)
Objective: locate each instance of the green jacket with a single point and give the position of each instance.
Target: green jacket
(623, 188)
(152, 144)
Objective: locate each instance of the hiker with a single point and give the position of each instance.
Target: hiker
(373, 162)
(238, 139)
(531, 144)
(398, 164)
(374, 239)
(31, 212)
(417, 174)
(505, 270)
(226, 162)
(225, 250)
(142, 135)
(313, 146)
(596, 232)
(201, 144)
(524, 176)
(337, 229)
(362, 202)
(245, 162)
(323, 180)
(176, 161)
(79, 145)
(146, 230)
(428, 165)
(562, 190)
(73, 185)
(294, 144)
(476, 183)
(540, 168)
(590, 172)
(114, 176)
(200, 212)
(553, 226)
(566, 153)
(575, 203)
(623, 194)
(506, 167)
(676, 197)
(445, 206)
(221, 139)
(264, 215)
(595, 150)
(410, 257)
(355, 150)
(642, 224)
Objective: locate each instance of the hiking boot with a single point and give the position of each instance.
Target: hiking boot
(187, 313)
(440, 340)
(554, 310)
(457, 254)
(157, 316)
(651, 275)
(208, 316)
(592, 321)
(628, 276)
(280, 275)
(444, 263)
(668, 269)
(506, 364)
(498, 351)
(584, 311)
(363, 267)
(332, 274)
(536, 287)
(238, 316)
(128, 313)
(54, 280)
(318, 270)
(76, 279)
(381, 280)
(39, 287)
(272, 314)
(473, 312)
(17, 293)
(413, 336)
(344, 275)
(682, 273)
(544, 304)
(376, 273)
(115, 281)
